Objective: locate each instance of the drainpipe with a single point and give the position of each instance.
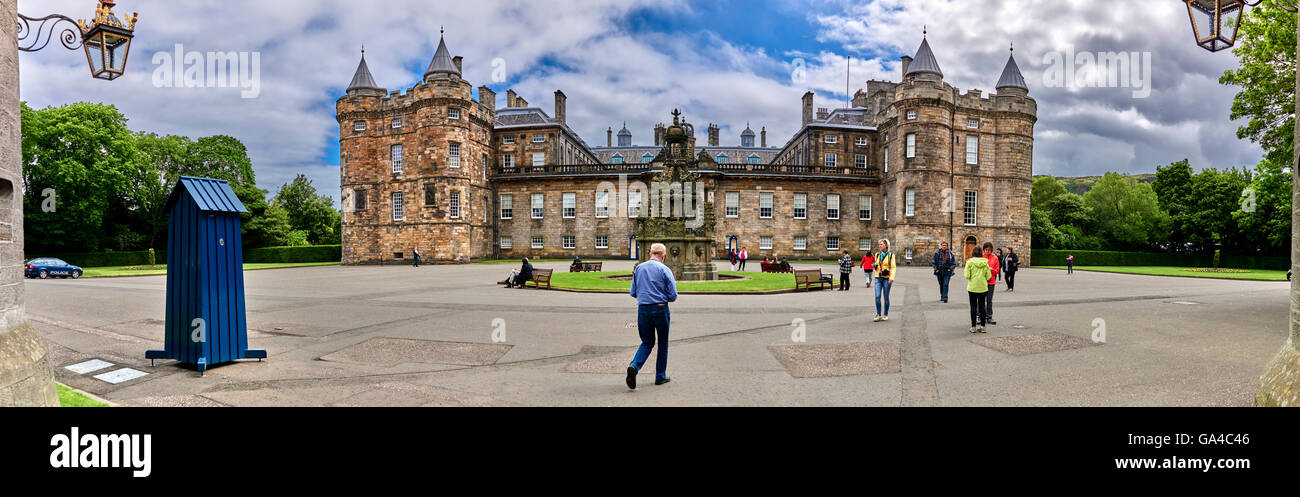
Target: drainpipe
(952, 170)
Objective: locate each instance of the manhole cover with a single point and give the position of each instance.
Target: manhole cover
(88, 366)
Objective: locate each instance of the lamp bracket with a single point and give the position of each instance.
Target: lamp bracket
(34, 39)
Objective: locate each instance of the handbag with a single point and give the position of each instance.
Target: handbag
(884, 273)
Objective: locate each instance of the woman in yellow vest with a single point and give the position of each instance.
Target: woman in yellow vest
(885, 269)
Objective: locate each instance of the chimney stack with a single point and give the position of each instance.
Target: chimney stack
(511, 98)
(457, 60)
(823, 113)
(487, 97)
(907, 62)
(764, 136)
(609, 137)
(560, 101)
(659, 134)
(807, 108)
(713, 135)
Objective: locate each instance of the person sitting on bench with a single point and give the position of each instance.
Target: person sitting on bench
(525, 274)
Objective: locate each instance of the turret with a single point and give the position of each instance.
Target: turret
(362, 82)
(925, 67)
(442, 65)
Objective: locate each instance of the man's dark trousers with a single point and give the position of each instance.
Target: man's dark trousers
(652, 321)
(844, 280)
(944, 277)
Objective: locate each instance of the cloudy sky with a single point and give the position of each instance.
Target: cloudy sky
(726, 62)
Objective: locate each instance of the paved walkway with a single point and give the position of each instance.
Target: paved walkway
(397, 335)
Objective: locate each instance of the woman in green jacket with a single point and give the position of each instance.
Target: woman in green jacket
(977, 284)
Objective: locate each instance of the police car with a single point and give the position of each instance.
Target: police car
(46, 267)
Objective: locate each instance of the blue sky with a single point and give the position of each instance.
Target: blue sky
(724, 62)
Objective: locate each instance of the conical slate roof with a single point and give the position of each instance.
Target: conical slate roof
(1011, 77)
(362, 80)
(747, 131)
(924, 61)
(442, 62)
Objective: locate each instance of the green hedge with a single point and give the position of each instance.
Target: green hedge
(102, 259)
(316, 253)
(1043, 257)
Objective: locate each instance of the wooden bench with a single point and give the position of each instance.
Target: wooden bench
(540, 276)
(807, 278)
(585, 267)
(775, 267)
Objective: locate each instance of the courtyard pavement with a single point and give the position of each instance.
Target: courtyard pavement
(402, 336)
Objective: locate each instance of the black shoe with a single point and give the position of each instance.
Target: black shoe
(945, 301)
(992, 321)
(662, 381)
(631, 377)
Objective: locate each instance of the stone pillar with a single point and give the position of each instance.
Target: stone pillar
(26, 378)
(1280, 383)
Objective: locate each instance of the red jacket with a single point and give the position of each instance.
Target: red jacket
(868, 262)
(994, 268)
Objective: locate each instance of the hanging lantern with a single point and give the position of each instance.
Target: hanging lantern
(1215, 22)
(107, 41)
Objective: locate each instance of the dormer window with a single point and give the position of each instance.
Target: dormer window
(359, 126)
(645, 159)
(723, 159)
(616, 159)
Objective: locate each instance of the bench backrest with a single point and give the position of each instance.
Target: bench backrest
(806, 275)
(542, 274)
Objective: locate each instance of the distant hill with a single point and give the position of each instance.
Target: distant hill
(1082, 184)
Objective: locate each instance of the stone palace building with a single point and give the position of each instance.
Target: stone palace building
(462, 178)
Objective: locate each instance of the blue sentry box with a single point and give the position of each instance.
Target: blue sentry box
(205, 276)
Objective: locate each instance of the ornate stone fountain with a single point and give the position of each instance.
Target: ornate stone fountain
(679, 216)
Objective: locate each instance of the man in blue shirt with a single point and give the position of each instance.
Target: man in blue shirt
(654, 287)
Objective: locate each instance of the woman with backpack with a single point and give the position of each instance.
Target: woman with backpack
(977, 275)
(868, 265)
(885, 268)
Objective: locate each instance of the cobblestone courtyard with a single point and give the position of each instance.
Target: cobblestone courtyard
(399, 336)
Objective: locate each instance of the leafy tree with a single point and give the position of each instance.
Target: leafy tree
(164, 163)
(1266, 46)
(1125, 212)
(1044, 190)
(1068, 209)
(1215, 196)
(268, 227)
(1173, 187)
(84, 154)
(308, 211)
(1268, 228)
(1044, 233)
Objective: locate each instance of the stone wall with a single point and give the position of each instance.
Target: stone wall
(26, 378)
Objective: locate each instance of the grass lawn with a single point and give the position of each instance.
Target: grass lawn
(757, 282)
(521, 259)
(1233, 274)
(100, 272)
(72, 398)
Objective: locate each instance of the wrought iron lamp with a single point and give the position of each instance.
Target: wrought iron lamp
(105, 38)
(1215, 22)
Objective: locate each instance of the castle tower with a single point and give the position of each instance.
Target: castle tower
(415, 167)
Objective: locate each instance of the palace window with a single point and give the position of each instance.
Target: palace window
(754, 159)
(569, 205)
(911, 146)
(832, 206)
(864, 207)
(647, 158)
(616, 159)
(395, 152)
(765, 205)
(397, 122)
(453, 113)
(430, 195)
(454, 205)
(864, 244)
(860, 161)
(539, 159)
(886, 158)
(634, 203)
(398, 213)
(507, 243)
(801, 206)
(733, 204)
(970, 208)
(801, 243)
(453, 155)
(832, 138)
(972, 149)
(360, 202)
(538, 205)
(884, 205)
(507, 206)
(911, 115)
(537, 242)
(831, 159)
(909, 202)
(508, 139)
(359, 126)
(832, 243)
(602, 241)
(568, 242)
(507, 161)
(539, 138)
(972, 123)
(765, 243)
(723, 159)
(860, 141)
(602, 204)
